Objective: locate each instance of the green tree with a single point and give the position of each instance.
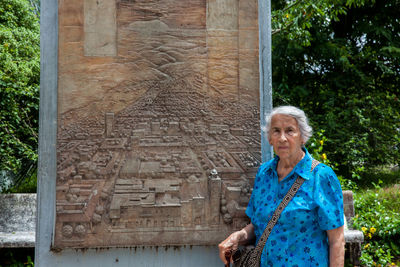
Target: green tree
(19, 85)
(346, 78)
(294, 18)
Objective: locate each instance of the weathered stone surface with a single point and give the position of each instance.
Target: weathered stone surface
(17, 240)
(100, 28)
(158, 139)
(354, 236)
(17, 220)
(18, 211)
(348, 203)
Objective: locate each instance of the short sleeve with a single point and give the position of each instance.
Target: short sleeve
(329, 198)
(251, 206)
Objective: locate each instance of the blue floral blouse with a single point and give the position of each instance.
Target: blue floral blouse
(299, 237)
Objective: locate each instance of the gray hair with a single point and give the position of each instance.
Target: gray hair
(297, 114)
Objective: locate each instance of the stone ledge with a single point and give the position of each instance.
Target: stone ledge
(353, 236)
(17, 220)
(17, 240)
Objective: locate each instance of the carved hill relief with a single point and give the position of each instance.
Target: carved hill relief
(158, 139)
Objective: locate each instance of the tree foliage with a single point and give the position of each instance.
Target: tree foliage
(19, 85)
(294, 18)
(347, 79)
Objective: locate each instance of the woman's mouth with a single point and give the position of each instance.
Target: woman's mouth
(283, 147)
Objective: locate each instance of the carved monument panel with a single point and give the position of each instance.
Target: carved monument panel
(158, 121)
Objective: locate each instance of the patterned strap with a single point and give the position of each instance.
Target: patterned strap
(256, 256)
(314, 164)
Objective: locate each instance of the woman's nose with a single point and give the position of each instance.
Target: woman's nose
(282, 137)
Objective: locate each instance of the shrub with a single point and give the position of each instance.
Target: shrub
(378, 216)
(17, 257)
(316, 148)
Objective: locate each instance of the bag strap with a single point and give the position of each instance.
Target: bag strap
(256, 256)
(314, 164)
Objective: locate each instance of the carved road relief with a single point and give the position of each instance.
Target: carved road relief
(158, 121)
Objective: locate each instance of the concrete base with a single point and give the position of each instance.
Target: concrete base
(135, 257)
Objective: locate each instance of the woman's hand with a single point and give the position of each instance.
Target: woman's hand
(232, 243)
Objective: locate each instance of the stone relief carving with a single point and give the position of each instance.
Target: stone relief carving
(159, 144)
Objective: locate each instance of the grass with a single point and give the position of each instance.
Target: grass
(382, 176)
(382, 183)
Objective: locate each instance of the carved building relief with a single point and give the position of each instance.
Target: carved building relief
(158, 122)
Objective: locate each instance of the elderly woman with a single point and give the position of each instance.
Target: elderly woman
(309, 231)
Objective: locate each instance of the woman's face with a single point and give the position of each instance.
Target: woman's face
(285, 136)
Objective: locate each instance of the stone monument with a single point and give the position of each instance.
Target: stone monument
(158, 132)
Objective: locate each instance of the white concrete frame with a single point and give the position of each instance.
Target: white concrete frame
(198, 256)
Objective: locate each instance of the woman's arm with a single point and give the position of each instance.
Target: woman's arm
(242, 237)
(336, 247)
